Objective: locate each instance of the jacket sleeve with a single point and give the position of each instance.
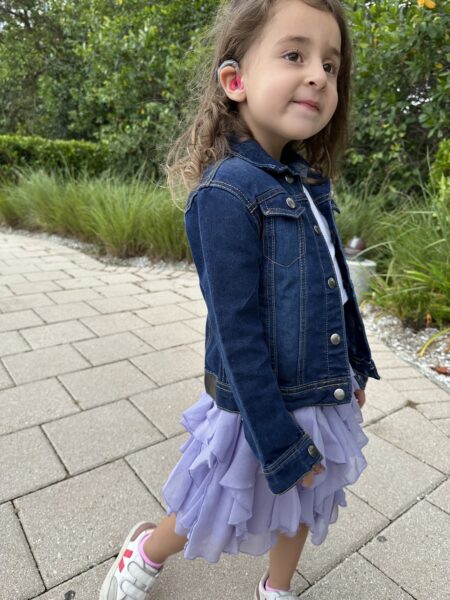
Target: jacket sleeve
(227, 250)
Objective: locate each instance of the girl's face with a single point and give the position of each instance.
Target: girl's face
(289, 76)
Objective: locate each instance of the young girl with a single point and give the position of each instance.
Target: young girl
(276, 435)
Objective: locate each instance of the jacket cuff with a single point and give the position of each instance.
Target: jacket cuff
(292, 465)
(361, 379)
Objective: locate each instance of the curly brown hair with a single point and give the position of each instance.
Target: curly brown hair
(204, 141)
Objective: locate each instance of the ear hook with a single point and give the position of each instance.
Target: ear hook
(226, 63)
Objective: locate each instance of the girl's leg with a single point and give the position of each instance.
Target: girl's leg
(164, 541)
(284, 557)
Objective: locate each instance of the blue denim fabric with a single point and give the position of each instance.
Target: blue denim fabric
(277, 334)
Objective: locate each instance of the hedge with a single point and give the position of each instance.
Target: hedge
(74, 157)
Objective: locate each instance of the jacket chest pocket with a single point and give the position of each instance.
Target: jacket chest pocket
(283, 230)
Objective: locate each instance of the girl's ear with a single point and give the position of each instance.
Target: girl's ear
(232, 84)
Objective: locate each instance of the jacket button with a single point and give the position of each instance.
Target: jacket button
(335, 339)
(290, 202)
(317, 229)
(289, 178)
(339, 394)
(312, 450)
(331, 282)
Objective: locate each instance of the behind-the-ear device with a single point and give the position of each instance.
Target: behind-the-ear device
(236, 83)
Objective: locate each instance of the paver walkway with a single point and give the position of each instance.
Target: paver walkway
(97, 364)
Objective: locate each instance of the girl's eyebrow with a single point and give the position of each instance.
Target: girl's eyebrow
(305, 40)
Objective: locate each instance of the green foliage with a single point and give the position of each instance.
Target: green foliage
(52, 155)
(125, 219)
(409, 238)
(119, 71)
(107, 70)
(402, 86)
(441, 164)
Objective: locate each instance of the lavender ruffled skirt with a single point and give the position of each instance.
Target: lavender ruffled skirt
(220, 495)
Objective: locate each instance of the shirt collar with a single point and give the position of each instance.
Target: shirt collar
(254, 153)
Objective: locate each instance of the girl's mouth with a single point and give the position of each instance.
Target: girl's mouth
(308, 104)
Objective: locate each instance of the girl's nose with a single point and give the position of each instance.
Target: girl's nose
(317, 76)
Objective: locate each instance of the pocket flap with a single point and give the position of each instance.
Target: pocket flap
(278, 206)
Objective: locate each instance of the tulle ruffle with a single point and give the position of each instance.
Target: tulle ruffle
(221, 498)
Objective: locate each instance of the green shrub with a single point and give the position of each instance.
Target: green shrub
(73, 157)
(441, 164)
(123, 218)
(413, 280)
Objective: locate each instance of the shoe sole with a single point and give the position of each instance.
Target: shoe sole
(132, 534)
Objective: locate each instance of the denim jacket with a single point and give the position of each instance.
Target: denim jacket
(277, 334)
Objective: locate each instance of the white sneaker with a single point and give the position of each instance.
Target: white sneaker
(130, 578)
(262, 594)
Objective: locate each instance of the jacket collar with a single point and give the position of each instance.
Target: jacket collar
(251, 151)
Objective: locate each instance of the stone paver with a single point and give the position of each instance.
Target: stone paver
(57, 333)
(12, 342)
(393, 479)
(18, 320)
(153, 465)
(158, 315)
(164, 405)
(99, 385)
(198, 324)
(65, 312)
(112, 305)
(385, 397)
(98, 363)
(43, 363)
(15, 559)
(70, 296)
(19, 303)
(48, 276)
(75, 524)
(441, 496)
(115, 323)
(119, 289)
(111, 348)
(438, 410)
(428, 395)
(85, 586)
(443, 425)
(357, 523)
(5, 379)
(163, 298)
(34, 403)
(411, 431)
(166, 336)
(16, 477)
(94, 437)
(414, 552)
(171, 365)
(355, 578)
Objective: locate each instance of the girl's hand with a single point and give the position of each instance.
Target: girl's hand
(360, 397)
(308, 479)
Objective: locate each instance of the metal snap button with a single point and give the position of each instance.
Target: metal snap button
(290, 202)
(312, 450)
(289, 178)
(331, 282)
(339, 394)
(335, 339)
(317, 229)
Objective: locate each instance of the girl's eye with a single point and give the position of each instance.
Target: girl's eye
(332, 68)
(295, 54)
